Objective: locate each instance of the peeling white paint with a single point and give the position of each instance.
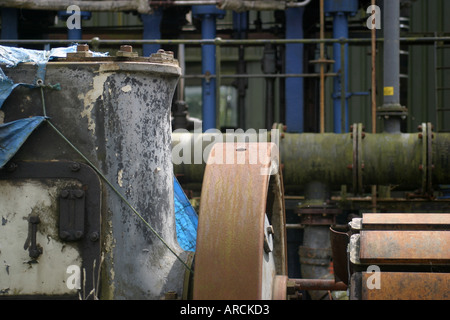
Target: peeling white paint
(126, 88)
(89, 98)
(119, 178)
(19, 275)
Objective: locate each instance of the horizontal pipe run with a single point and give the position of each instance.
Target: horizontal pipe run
(319, 284)
(222, 42)
(277, 75)
(169, 3)
(395, 159)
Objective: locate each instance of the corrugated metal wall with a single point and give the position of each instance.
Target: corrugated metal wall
(429, 17)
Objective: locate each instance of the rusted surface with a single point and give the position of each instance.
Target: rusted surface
(319, 284)
(230, 249)
(407, 286)
(339, 242)
(280, 288)
(411, 221)
(410, 247)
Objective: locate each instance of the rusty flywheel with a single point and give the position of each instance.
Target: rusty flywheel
(241, 240)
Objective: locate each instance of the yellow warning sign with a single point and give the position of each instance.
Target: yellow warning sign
(388, 91)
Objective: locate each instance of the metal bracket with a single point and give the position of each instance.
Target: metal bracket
(358, 162)
(426, 167)
(71, 214)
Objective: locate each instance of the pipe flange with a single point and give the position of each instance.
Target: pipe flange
(358, 162)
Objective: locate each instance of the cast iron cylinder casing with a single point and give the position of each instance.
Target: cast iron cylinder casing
(117, 113)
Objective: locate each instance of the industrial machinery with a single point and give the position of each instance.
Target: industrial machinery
(89, 180)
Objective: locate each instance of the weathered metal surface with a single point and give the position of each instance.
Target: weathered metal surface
(318, 215)
(280, 288)
(404, 286)
(410, 221)
(230, 257)
(319, 284)
(405, 247)
(379, 159)
(117, 113)
(71, 214)
(339, 243)
(31, 190)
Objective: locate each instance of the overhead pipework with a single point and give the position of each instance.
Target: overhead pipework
(208, 16)
(340, 11)
(391, 111)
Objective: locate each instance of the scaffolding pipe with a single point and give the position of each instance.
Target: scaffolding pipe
(223, 42)
(235, 5)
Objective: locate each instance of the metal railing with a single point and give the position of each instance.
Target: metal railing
(96, 44)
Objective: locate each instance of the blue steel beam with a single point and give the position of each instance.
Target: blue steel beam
(208, 16)
(75, 33)
(152, 31)
(9, 24)
(294, 90)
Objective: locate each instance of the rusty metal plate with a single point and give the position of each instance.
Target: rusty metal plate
(413, 247)
(230, 237)
(410, 221)
(407, 286)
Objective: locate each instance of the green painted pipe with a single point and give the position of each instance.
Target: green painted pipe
(386, 159)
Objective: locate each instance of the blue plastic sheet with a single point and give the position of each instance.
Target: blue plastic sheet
(186, 219)
(13, 135)
(12, 56)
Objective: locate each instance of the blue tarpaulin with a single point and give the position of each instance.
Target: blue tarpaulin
(186, 219)
(14, 134)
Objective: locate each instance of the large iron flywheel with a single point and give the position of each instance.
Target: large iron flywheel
(241, 240)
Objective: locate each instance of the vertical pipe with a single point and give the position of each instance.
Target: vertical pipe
(208, 15)
(74, 34)
(374, 99)
(294, 64)
(322, 68)
(209, 68)
(182, 62)
(269, 67)
(240, 26)
(74, 31)
(340, 30)
(340, 10)
(315, 251)
(374, 79)
(391, 78)
(152, 31)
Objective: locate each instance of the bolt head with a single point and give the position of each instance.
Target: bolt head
(94, 236)
(64, 235)
(78, 234)
(64, 194)
(126, 48)
(82, 48)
